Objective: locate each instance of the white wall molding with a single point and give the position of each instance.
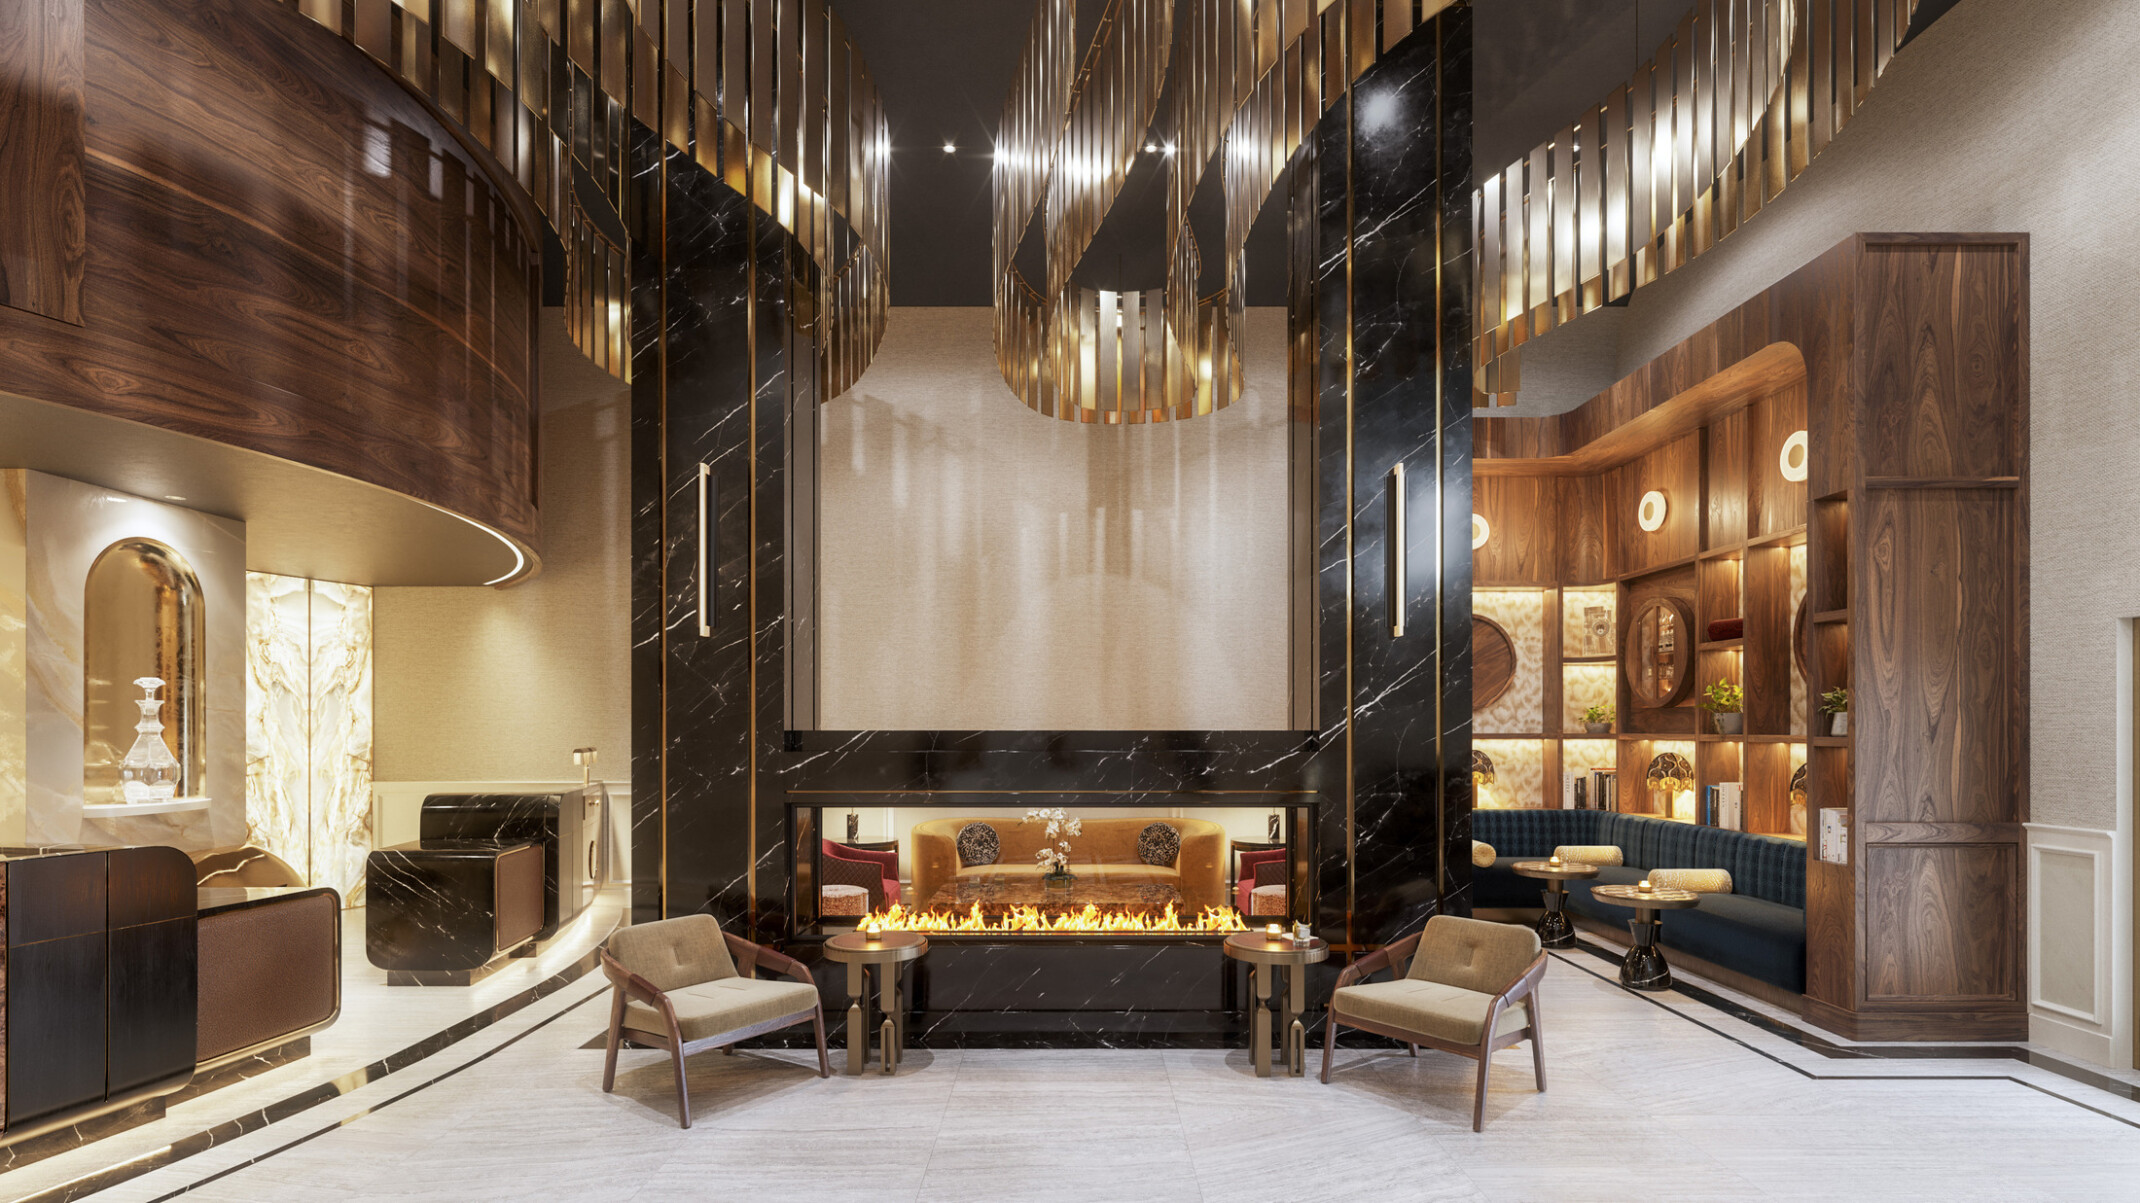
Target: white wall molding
(2071, 952)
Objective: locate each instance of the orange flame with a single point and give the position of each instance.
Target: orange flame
(1090, 918)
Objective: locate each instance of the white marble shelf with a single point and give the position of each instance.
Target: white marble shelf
(135, 810)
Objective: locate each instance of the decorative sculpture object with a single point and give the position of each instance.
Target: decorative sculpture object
(149, 773)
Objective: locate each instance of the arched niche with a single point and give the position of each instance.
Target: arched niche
(143, 615)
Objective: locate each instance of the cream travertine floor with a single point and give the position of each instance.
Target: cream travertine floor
(1650, 1097)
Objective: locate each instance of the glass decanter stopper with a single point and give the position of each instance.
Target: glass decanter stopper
(149, 773)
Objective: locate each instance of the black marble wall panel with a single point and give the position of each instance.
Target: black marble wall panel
(721, 371)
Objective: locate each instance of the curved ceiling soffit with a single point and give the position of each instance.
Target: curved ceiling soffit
(770, 97)
(1249, 80)
(1710, 129)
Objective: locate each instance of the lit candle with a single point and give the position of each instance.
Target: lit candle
(1271, 930)
(1643, 885)
(1554, 860)
(871, 930)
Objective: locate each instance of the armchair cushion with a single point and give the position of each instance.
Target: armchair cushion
(1482, 855)
(726, 1005)
(1245, 888)
(887, 860)
(1449, 1013)
(1473, 955)
(1590, 854)
(674, 953)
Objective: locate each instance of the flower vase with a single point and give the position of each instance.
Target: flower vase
(1730, 722)
(1060, 879)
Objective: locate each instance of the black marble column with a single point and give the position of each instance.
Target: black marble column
(722, 367)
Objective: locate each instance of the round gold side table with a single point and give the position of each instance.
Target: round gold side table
(1644, 967)
(1554, 930)
(1268, 955)
(885, 957)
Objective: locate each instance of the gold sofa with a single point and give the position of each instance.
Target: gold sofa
(1107, 850)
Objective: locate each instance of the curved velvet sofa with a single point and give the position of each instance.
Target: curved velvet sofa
(1759, 929)
(1107, 850)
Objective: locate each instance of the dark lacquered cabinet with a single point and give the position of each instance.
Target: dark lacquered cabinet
(556, 823)
(101, 979)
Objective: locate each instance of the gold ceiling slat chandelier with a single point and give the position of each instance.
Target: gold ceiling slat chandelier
(768, 95)
(1714, 126)
(1251, 79)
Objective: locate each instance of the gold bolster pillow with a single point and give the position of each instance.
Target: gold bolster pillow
(1482, 854)
(1590, 854)
(1694, 881)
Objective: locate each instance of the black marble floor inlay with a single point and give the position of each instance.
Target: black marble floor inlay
(1875, 1052)
(305, 1100)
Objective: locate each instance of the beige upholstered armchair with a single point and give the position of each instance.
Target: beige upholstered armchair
(1466, 977)
(678, 987)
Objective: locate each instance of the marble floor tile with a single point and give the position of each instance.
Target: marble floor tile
(1644, 1101)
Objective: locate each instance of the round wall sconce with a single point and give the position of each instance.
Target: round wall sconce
(1792, 460)
(1481, 531)
(1650, 514)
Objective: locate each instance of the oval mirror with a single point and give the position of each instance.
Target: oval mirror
(1658, 652)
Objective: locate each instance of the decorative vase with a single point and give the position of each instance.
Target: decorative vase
(1730, 722)
(1061, 879)
(149, 773)
(1839, 723)
(1598, 728)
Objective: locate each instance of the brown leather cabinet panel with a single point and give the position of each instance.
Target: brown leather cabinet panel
(519, 895)
(268, 973)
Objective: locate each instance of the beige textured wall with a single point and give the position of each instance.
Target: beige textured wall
(2004, 117)
(501, 684)
(984, 567)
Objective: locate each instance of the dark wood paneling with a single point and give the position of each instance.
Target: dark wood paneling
(1941, 369)
(1767, 650)
(154, 999)
(1724, 482)
(1521, 548)
(1774, 504)
(55, 1022)
(1674, 470)
(1942, 923)
(1579, 509)
(1933, 700)
(50, 898)
(42, 236)
(291, 255)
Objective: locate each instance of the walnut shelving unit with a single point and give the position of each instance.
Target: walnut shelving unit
(1904, 357)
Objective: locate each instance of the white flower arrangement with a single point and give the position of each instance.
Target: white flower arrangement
(1056, 859)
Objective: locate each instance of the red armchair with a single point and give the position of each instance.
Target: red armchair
(1247, 885)
(877, 872)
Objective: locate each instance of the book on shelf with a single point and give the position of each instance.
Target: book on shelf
(1731, 806)
(1604, 791)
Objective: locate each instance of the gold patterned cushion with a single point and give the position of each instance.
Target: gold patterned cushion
(1482, 854)
(1589, 854)
(1472, 954)
(1697, 881)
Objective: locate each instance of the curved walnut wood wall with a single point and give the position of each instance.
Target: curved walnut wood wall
(1909, 354)
(226, 222)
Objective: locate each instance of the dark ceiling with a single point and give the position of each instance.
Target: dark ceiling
(945, 66)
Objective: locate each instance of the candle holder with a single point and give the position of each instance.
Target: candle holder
(1644, 885)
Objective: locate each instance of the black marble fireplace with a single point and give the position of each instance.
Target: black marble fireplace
(733, 780)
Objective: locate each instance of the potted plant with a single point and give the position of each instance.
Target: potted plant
(1054, 859)
(1836, 705)
(1726, 703)
(1597, 720)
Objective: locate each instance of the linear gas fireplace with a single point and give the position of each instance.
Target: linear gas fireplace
(1038, 867)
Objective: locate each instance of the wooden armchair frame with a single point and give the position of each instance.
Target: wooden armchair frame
(1395, 957)
(630, 987)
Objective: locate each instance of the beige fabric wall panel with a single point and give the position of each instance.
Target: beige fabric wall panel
(984, 567)
(502, 684)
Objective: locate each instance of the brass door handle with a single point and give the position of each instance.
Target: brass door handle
(705, 518)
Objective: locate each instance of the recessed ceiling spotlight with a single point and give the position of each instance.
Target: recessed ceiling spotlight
(1150, 147)
(172, 497)
(950, 147)
(1168, 148)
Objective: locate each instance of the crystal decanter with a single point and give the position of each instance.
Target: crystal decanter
(149, 773)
